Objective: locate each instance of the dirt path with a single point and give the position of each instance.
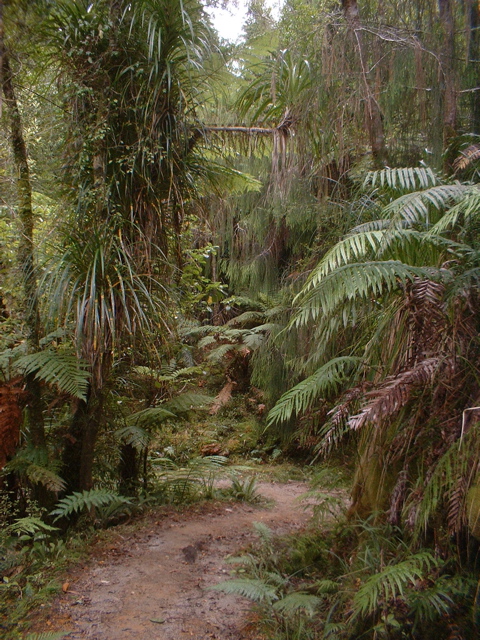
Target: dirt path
(154, 586)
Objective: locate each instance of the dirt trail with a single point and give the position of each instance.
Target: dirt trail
(154, 586)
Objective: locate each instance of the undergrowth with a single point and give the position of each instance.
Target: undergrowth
(348, 580)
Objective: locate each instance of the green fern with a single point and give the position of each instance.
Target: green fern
(78, 501)
(252, 589)
(30, 525)
(149, 417)
(392, 582)
(64, 370)
(187, 402)
(296, 602)
(326, 381)
(402, 178)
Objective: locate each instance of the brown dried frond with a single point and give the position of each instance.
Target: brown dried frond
(10, 419)
(455, 510)
(223, 398)
(394, 393)
(397, 498)
(468, 155)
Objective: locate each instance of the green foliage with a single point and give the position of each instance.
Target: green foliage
(86, 500)
(254, 590)
(391, 583)
(325, 382)
(64, 370)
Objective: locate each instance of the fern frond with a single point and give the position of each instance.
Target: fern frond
(150, 417)
(78, 501)
(402, 178)
(392, 582)
(295, 602)
(217, 355)
(468, 156)
(252, 589)
(38, 474)
(354, 282)
(29, 525)
(467, 210)
(187, 401)
(394, 393)
(326, 381)
(415, 208)
(135, 436)
(248, 317)
(62, 369)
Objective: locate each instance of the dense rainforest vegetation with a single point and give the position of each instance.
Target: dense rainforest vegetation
(293, 219)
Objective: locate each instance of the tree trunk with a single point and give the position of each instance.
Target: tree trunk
(473, 63)
(447, 80)
(373, 114)
(25, 247)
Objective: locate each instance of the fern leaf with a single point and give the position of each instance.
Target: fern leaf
(30, 525)
(78, 501)
(62, 369)
(402, 178)
(188, 401)
(44, 476)
(220, 352)
(252, 589)
(466, 209)
(395, 393)
(326, 381)
(135, 436)
(150, 417)
(355, 282)
(391, 582)
(295, 602)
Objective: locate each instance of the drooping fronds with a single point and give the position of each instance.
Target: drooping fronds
(324, 382)
(394, 393)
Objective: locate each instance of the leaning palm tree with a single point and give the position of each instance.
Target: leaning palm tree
(391, 314)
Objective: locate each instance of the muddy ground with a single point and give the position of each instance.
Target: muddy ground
(153, 584)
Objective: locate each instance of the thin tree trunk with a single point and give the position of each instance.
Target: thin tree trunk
(473, 63)
(373, 114)
(25, 247)
(447, 70)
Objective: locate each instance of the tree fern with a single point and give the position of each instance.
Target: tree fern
(64, 370)
(355, 282)
(252, 589)
(326, 381)
(78, 501)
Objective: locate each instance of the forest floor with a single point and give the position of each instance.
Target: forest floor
(151, 583)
